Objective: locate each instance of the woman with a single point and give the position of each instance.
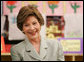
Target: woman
(34, 47)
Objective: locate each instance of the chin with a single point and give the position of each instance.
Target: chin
(34, 37)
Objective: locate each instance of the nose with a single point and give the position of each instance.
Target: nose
(31, 27)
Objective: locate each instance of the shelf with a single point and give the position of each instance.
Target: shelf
(73, 54)
(6, 57)
(74, 57)
(68, 57)
(5, 54)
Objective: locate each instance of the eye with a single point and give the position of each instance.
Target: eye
(34, 23)
(26, 25)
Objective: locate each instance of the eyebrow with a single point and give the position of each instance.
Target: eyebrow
(32, 22)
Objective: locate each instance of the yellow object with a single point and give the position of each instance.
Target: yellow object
(33, 2)
(44, 7)
(47, 30)
(58, 31)
(64, 6)
(51, 36)
(23, 3)
(71, 45)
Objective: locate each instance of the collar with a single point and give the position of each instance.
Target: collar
(31, 49)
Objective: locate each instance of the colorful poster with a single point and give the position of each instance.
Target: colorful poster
(11, 5)
(75, 5)
(47, 7)
(72, 45)
(52, 5)
(55, 27)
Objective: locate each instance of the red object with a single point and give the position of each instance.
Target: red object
(11, 2)
(53, 2)
(62, 34)
(2, 45)
(8, 47)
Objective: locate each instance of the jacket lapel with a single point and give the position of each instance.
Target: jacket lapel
(32, 52)
(43, 48)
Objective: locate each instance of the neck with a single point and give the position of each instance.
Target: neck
(35, 40)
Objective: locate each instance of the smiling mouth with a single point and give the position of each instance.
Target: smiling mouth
(32, 33)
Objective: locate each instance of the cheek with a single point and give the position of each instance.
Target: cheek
(24, 29)
(38, 27)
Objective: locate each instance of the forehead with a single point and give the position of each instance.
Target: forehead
(31, 19)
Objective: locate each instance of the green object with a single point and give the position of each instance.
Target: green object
(75, 6)
(11, 8)
(53, 6)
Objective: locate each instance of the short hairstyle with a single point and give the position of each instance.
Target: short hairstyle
(28, 11)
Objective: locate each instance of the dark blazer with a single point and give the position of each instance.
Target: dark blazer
(50, 50)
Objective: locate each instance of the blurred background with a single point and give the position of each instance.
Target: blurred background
(63, 22)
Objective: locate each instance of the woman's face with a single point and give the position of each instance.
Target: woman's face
(31, 27)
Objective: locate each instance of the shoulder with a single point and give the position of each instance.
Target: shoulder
(18, 46)
(53, 43)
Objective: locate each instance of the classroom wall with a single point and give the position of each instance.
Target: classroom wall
(63, 8)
